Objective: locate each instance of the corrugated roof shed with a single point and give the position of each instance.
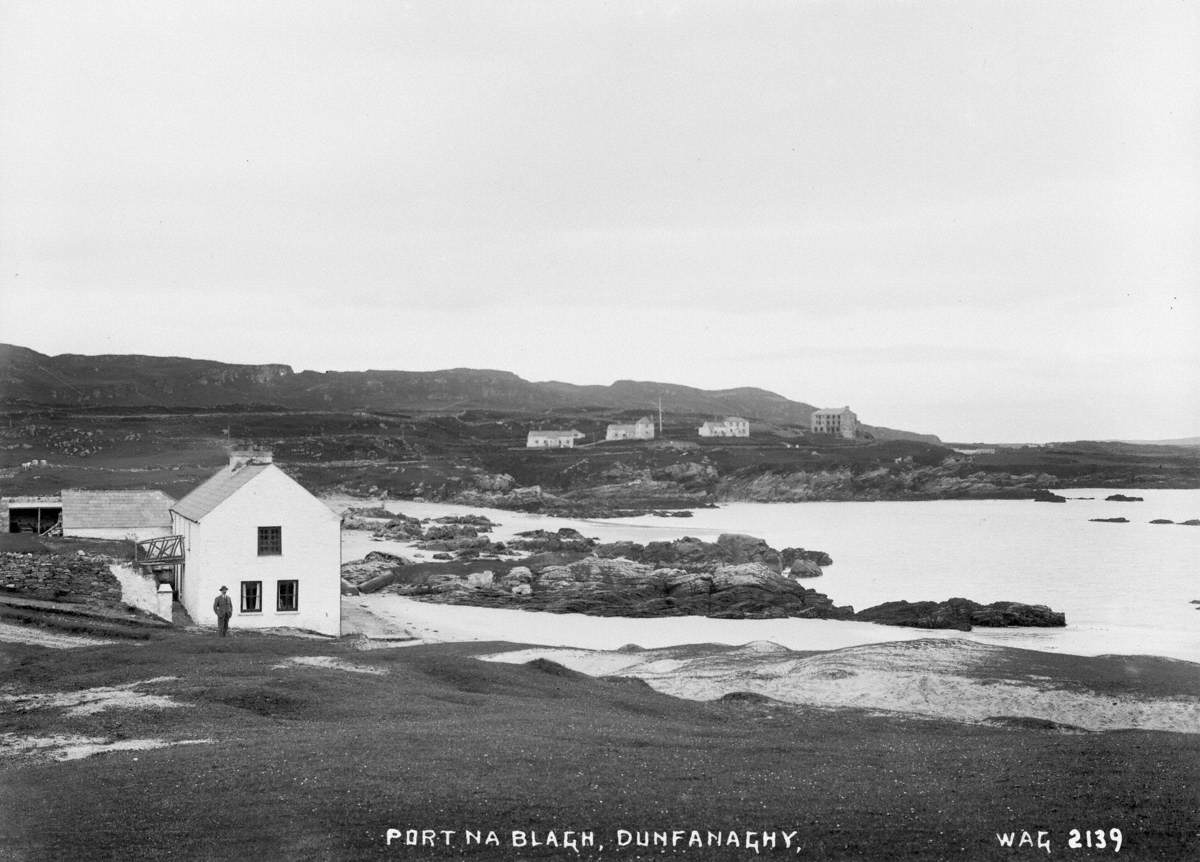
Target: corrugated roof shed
(93, 510)
(216, 490)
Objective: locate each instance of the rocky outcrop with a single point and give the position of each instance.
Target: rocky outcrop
(369, 512)
(564, 539)
(1162, 521)
(527, 499)
(1041, 495)
(497, 482)
(949, 480)
(481, 523)
(792, 555)
(804, 569)
(1109, 520)
(463, 544)
(459, 534)
(601, 586)
(441, 532)
(401, 528)
(695, 555)
(1121, 498)
(737, 576)
(961, 614)
(373, 571)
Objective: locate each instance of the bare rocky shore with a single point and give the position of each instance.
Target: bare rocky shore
(563, 571)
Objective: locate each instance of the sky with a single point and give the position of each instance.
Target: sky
(974, 219)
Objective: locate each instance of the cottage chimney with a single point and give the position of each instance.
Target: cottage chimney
(239, 458)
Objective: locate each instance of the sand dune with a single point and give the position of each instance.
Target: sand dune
(944, 678)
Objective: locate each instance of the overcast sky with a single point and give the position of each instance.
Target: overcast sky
(977, 219)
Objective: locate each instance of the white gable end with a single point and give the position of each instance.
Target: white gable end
(224, 548)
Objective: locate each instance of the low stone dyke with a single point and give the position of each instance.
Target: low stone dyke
(59, 576)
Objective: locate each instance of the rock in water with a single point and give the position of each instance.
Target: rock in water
(1121, 498)
(1109, 520)
(1041, 495)
(961, 614)
(790, 555)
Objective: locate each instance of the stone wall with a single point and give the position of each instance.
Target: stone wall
(58, 576)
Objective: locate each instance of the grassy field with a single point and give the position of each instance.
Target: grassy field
(312, 762)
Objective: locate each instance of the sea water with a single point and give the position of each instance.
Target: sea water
(1125, 588)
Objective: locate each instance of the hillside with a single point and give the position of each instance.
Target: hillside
(289, 748)
(29, 378)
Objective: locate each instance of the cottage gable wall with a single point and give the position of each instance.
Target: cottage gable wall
(222, 549)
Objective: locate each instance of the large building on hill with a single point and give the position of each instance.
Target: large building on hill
(841, 422)
(255, 529)
(733, 426)
(643, 429)
(553, 439)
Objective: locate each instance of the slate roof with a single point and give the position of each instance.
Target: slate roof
(572, 433)
(206, 497)
(832, 411)
(631, 425)
(92, 510)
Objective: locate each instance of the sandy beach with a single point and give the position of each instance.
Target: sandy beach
(435, 623)
(822, 663)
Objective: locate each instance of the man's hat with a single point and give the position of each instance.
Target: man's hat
(224, 589)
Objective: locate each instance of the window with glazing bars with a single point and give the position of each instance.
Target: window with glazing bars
(270, 541)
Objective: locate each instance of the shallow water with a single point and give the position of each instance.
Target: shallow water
(1125, 588)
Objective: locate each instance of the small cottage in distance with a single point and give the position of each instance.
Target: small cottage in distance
(733, 426)
(553, 439)
(643, 429)
(255, 529)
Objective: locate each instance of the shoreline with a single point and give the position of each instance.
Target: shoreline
(1080, 637)
(433, 622)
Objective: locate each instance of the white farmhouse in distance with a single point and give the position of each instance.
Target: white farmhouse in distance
(733, 426)
(643, 429)
(255, 529)
(840, 422)
(553, 439)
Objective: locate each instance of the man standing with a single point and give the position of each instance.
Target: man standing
(223, 608)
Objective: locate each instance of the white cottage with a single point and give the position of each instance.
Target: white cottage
(553, 439)
(256, 530)
(643, 429)
(733, 426)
